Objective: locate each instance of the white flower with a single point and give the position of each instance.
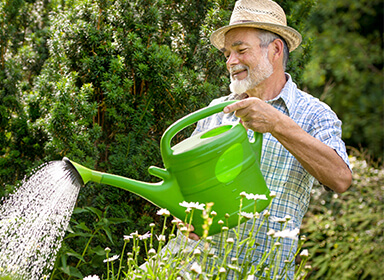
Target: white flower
(136, 234)
(304, 253)
(292, 234)
(286, 219)
(260, 196)
(197, 252)
(222, 270)
(183, 229)
(91, 277)
(266, 213)
(145, 236)
(127, 237)
(230, 240)
(163, 212)
(111, 259)
(272, 194)
(192, 205)
(247, 215)
(276, 219)
(196, 268)
(161, 237)
(271, 232)
(234, 267)
(252, 196)
(251, 277)
(151, 252)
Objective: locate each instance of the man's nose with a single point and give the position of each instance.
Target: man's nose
(232, 60)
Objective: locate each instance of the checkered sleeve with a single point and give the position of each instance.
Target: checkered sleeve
(327, 128)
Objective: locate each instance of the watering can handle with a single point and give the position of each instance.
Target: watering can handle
(186, 121)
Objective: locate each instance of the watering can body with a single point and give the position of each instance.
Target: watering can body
(212, 166)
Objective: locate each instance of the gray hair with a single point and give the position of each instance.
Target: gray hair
(267, 37)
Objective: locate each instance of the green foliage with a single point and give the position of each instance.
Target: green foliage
(345, 232)
(346, 68)
(23, 34)
(94, 229)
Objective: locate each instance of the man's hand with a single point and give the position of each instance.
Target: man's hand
(255, 114)
(187, 230)
(320, 160)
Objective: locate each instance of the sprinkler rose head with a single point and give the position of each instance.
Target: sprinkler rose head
(73, 171)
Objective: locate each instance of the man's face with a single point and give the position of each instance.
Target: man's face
(247, 63)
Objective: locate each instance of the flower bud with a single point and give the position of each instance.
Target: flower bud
(230, 240)
(151, 252)
(266, 213)
(304, 253)
(272, 194)
(222, 270)
(197, 252)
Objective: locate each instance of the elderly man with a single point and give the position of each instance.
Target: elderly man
(302, 136)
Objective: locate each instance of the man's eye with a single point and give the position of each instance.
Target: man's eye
(242, 50)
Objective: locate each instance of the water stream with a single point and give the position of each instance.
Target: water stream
(33, 221)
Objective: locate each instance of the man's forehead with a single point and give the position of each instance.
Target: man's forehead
(234, 44)
(239, 36)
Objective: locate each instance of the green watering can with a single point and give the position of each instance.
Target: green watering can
(212, 166)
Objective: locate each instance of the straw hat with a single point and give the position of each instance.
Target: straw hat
(262, 14)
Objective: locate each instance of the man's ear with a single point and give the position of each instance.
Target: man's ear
(277, 50)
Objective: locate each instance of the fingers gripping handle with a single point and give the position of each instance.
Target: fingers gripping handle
(186, 121)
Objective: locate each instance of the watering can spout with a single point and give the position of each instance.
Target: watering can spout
(84, 174)
(164, 194)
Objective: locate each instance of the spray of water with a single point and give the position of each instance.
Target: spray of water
(34, 219)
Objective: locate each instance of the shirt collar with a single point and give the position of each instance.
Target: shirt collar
(287, 94)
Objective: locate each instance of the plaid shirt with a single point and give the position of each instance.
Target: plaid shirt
(281, 170)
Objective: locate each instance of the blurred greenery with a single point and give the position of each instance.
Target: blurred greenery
(100, 81)
(345, 232)
(346, 68)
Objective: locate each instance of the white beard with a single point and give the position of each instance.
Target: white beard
(255, 76)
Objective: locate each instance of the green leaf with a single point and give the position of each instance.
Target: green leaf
(95, 211)
(72, 271)
(83, 227)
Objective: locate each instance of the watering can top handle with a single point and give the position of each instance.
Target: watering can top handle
(186, 121)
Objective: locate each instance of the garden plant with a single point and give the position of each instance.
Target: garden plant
(163, 263)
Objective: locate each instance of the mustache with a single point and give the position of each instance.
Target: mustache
(238, 68)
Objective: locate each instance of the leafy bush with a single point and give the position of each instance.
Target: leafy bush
(345, 231)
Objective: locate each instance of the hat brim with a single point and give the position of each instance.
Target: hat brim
(291, 36)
